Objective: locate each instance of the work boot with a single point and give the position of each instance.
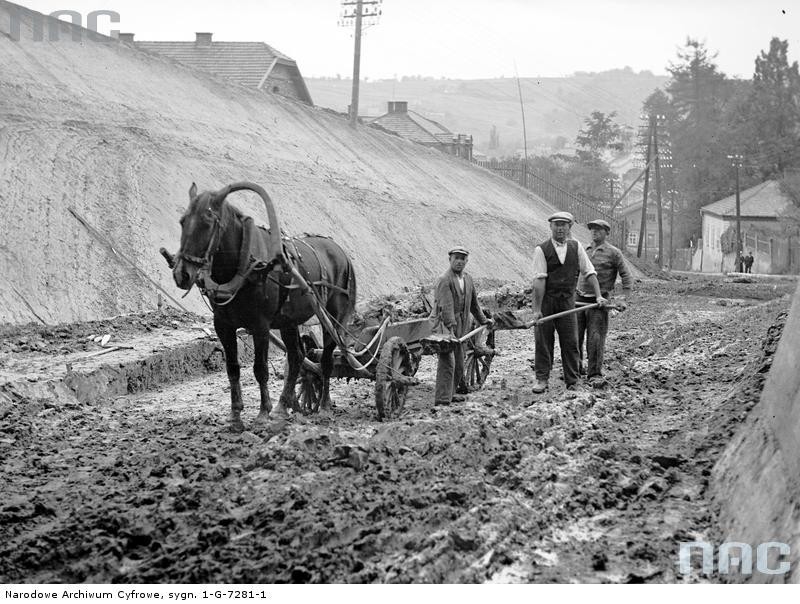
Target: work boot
(597, 381)
(459, 398)
(463, 389)
(574, 388)
(441, 402)
(539, 387)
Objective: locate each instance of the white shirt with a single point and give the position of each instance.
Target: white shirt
(460, 282)
(540, 263)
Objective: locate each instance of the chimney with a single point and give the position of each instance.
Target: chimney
(398, 106)
(126, 38)
(203, 38)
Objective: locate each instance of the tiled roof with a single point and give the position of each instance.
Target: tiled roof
(764, 201)
(243, 62)
(414, 126)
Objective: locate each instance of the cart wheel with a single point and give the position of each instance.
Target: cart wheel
(391, 388)
(308, 386)
(478, 362)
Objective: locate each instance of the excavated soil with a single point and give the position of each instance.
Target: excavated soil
(589, 486)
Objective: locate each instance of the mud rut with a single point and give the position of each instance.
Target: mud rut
(593, 486)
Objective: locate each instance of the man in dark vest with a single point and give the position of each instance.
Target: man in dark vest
(455, 300)
(556, 265)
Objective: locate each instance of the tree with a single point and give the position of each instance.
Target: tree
(774, 101)
(600, 133)
(698, 95)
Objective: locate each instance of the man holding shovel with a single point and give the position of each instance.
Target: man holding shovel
(455, 300)
(608, 262)
(556, 265)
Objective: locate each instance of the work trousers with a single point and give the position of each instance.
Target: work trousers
(449, 374)
(593, 328)
(567, 328)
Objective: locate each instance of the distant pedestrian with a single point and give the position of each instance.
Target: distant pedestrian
(593, 324)
(748, 262)
(556, 265)
(455, 300)
(739, 262)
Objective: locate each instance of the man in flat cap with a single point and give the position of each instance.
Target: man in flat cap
(609, 263)
(556, 265)
(455, 299)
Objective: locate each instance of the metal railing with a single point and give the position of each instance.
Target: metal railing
(582, 209)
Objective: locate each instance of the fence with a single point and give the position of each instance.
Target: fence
(583, 210)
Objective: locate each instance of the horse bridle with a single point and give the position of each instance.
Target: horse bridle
(204, 263)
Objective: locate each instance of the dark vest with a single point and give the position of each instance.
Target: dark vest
(562, 279)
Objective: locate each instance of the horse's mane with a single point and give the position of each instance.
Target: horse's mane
(201, 203)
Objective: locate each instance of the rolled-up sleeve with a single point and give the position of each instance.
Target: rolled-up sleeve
(539, 264)
(585, 265)
(624, 273)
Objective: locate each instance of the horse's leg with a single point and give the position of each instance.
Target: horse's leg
(260, 354)
(294, 356)
(328, 346)
(227, 337)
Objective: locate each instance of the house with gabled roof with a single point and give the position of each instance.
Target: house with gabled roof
(420, 129)
(252, 64)
(765, 232)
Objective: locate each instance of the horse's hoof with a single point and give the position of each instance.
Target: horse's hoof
(236, 426)
(279, 412)
(262, 419)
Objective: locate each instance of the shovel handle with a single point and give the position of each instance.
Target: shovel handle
(558, 315)
(475, 331)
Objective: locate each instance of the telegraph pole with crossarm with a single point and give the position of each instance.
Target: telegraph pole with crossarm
(354, 12)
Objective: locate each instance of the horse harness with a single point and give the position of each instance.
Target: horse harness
(223, 294)
(320, 287)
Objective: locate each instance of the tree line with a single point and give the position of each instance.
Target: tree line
(703, 118)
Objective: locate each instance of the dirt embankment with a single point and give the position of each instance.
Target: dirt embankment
(119, 135)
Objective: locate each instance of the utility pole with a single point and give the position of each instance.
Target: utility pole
(362, 8)
(671, 225)
(658, 192)
(524, 131)
(736, 162)
(643, 224)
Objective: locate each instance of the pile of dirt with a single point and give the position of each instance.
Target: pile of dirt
(118, 135)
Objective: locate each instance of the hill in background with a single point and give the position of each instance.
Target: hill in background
(119, 135)
(554, 107)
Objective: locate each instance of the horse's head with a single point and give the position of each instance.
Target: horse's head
(200, 234)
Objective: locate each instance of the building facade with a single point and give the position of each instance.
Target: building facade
(765, 228)
(413, 126)
(252, 64)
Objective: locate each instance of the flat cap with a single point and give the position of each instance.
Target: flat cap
(599, 223)
(458, 250)
(562, 217)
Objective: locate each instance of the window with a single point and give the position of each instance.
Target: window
(651, 217)
(633, 238)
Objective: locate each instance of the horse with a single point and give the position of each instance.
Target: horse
(258, 280)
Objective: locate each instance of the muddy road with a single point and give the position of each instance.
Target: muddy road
(587, 486)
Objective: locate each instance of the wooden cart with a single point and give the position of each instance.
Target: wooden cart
(389, 354)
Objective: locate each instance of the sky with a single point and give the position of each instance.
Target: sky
(470, 39)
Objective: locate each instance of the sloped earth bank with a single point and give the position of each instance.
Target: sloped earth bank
(591, 486)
